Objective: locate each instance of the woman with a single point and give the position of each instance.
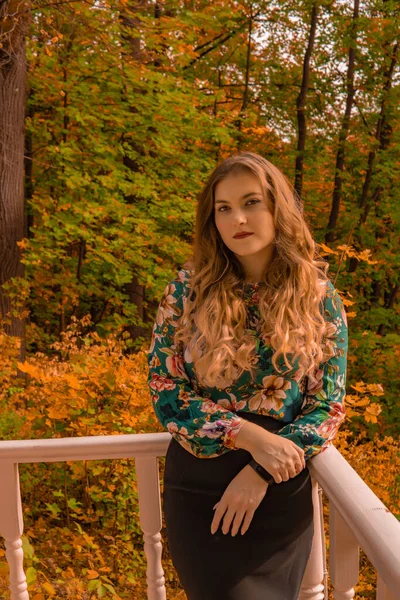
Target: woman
(247, 371)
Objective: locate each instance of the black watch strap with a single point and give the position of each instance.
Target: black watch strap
(262, 472)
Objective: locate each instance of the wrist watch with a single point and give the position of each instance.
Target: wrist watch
(262, 472)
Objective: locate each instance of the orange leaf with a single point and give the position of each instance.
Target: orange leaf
(359, 387)
(326, 249)
(73, 381)
(92, 574)
(27, 368)
(374, 409)
(58, 413)
(49, 588)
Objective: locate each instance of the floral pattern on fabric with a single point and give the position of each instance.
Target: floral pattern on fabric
(205, 421)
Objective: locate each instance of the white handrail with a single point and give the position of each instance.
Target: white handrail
(374, 527)
(99, 447)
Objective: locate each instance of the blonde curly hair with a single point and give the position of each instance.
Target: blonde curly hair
(213, 321)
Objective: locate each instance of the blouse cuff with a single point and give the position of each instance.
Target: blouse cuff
(229, 438)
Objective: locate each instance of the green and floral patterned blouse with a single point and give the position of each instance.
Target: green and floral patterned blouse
(205, 420)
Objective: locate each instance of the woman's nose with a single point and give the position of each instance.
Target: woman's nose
(240, 219)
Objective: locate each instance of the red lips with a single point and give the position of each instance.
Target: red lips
(243, 234)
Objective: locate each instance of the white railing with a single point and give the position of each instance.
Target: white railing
(357, 518)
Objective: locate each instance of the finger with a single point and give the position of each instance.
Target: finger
(301, 455)
(219, 513)
(246, 521)
(237, 521)
(295, 469)
(285, 475)
(301, 463)
(228, 518)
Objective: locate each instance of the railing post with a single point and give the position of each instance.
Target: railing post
(11, 528)
(382, 590)
(311, 586)
(344, 556)
(148, 482)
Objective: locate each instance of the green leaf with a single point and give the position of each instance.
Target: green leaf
(101, 591)
(93, 584)
(31, 574)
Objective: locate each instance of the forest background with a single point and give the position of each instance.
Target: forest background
(112, 114)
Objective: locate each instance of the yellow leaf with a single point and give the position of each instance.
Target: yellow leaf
(370, 418)
(374, 409)
(49, 588)
(350, 399)
(376, 389)
(326, 249)
(73, 381)
(351, 413)
(58, 413)
(363, 402)
(359, 387)
(28, 368)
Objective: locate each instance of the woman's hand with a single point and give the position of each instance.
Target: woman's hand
(239, 501)
(279, 456)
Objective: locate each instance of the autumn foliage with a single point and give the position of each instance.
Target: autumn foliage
(82, 529)
(128, 107)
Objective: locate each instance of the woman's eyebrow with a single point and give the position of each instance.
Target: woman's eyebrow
(242, 198)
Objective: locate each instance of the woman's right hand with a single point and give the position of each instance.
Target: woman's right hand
(279, 456)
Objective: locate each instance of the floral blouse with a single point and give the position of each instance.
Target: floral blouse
(205, 421)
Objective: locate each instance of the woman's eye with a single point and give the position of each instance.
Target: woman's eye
(253, 200)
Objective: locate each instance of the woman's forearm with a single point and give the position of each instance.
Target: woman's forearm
(280, 457)
(251, 437)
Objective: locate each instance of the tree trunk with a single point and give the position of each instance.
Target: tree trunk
(134, 289)
(14, 18)
(382, 134)
(337, 188)
(301, 104)
(389, 303)
(242, 112)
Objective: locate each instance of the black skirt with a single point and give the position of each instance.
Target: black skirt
(268, 561)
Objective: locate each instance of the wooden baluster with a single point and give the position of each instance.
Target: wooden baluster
(382, 590)
(344, 556)
(11, 528)
(148, 482)
(311, 586)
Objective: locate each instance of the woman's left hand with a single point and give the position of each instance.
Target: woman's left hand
(239, 501)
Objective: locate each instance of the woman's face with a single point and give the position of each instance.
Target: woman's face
(239, 206)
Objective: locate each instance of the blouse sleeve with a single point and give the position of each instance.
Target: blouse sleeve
(323, 410)
(200, 425)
